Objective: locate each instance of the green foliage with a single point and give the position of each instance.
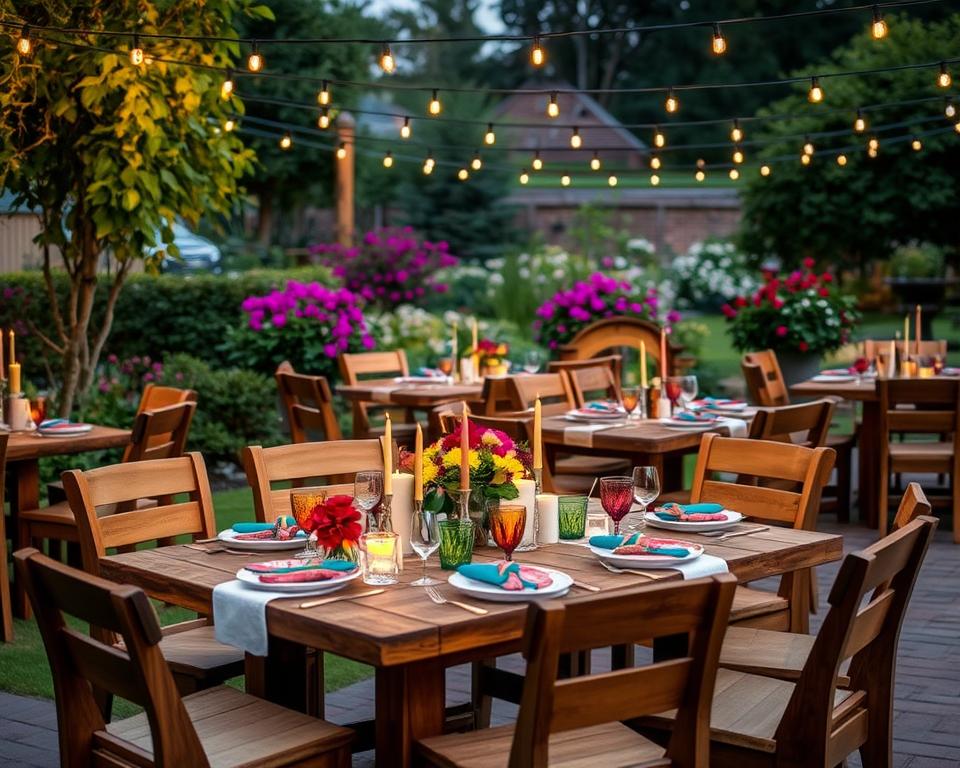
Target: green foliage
(917, 260)
(859, 212)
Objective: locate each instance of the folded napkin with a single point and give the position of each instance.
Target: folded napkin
(507, 575)
(638, 545)
(702, 418)
(602, 406)
(257, 527)
(690, 513)
(302, 576)
(293, 565)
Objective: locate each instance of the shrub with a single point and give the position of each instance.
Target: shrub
(711, 273)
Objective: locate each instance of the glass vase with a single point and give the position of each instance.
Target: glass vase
(480, 507)
(346, 551)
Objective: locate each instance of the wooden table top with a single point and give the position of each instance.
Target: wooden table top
(26, 446)
(646, 436)
(408, 394)
(862, 391)
(402, 625)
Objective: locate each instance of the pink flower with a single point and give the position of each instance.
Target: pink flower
(809, 262)
(782, 330)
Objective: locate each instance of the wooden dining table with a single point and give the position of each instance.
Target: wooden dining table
(409, 394)
(24, 451)
(408, 639)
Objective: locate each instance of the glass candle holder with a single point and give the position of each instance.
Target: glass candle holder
(378, 557)
(573, 517)
(456, 543)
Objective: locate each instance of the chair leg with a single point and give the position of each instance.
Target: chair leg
(482, 703)
(843, 469)
(955, 498)
(884, 505)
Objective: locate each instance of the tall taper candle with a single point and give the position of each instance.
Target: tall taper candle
(453, 345)
(663, 356)
(387, 456)
(643, 364)
(418, 466)
(3, 368)
(919, 311)
(474, 330)
(906, 335)
(14, 378)
(13, 346)
(537, 434)
(464, 450)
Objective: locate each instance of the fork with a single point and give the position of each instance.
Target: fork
(614, 569)
(439, 599)
(721, 536)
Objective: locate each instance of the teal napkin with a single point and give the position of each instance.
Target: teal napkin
(490, 573)
(257, 527)
(704, 508)
(329, 565)
(612, 542)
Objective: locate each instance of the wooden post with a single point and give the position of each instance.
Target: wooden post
(346, 132)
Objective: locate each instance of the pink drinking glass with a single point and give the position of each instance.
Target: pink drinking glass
(616, 497)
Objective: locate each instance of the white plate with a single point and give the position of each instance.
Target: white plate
(838, 377)
(684, 424)
(229, 536)
(707, 525)
(596, 416)
(648, 561)
(479, 589)
(252, 579)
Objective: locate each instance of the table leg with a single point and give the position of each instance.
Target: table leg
(868, 478)
(6, 622)
(410, 706)
(24, 493)
(291, 675)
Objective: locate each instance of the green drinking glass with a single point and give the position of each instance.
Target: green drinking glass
(573, 517)
(456, 543)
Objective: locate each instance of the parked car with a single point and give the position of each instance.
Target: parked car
(197, 254)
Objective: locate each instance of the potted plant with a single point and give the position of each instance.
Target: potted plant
(918, 276)
(801, 317)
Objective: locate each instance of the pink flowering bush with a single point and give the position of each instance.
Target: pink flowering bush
(389, 267)
(563, 315)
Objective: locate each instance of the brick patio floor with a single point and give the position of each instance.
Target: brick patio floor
(927, 701)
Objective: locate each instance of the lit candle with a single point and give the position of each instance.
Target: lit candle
(474, 331)
(548, 507)
(418, 466)
(14, 378)
(388, 456)
(3, 371)
(906, 334)
(919, 310)
(13, 346)
(892, 361)
(643, 364)
(537, 434)
(663, 356)
(464, 450)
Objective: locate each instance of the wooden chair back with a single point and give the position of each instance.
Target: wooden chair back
(866, 631)
(338, 461)
(765, 381)
(155, 396)
(591, 378)
(120, 484)
(6, 608)
(548, 705)
(805, 424)
(359, 366)
(81, 664)
(937, 408)
(874, 347)
(613, 333)
(913, 504)
(496, 397)
(553, 389)
(308, 403)
(160, 433)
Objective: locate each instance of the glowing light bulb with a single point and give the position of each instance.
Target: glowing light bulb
(805, 159)
(943, 79)
(388, 159)
(950, 109)
(537, 55)
(612, 180)
(387, 63)
(736, 133)
(435, 107)
(956, 127)
(672, 103)
(565, 180)
(323, 121)
(734, 174)
(286, 141)
(879, 27)
(815, 94)
(701, 163)
(874, 143)
(659, 138)
(537, 163)
(738, 155)
(405, 128)
(229, 125)
(719, 44)
(860, 123)
(872, 152)
(595, 162)
(699, 175)
(463, 174)
(323, 95)
(655, 162)
(807, 146)
(427, 169)
(342, 151)
(227, 86)
(24, 44)
(490, 137)
(255, 60)
(575, 140)
(476, 163)
(654, 180)
(136, 52)
(841, 160)
(430, 161)
(764, 170)
(524, 176)
(553, 108)
(916, 144)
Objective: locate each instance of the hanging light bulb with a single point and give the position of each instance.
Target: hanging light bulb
(323, 95)
(524, 176)
(699, 175)
(323, 121)
(654, 180)
(463, 174)
(229, 125)
(387, 63)
(655, 162)
(815, 94)
(950, 109)
(553, 108)
(872, 152)
(916, 144)
(672, 103)
(737, 155)
(874, 143)
(575, 140)
(342, 151)
(476, 163)
(537, 163)
(490, 138)
(879, 27)
(434, 108)
(956, 127)
(805, 159)
(405, 128)
(659, 138)
(841, 160)
(565, 180)
(255, 60)
(701, 163)
(136, 52)
(764, 170)
(537, 55)
(227, 86)
(388, 159)
(719, 41)
(429, 160)
(943, 79)
(807, 146)
(24, 44)
(286, 141)
(612, 180)
(860, 123)
(427, 169)
(736, 133)
(595, 162)
(734, 174)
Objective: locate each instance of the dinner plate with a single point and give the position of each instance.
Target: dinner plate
(685, 424)
(649, 561)
(229, 536)
(252, 579)
(731, 406)
(70, 430)
(619, 418)
(693, 527)
(834, 377)
(480, 589)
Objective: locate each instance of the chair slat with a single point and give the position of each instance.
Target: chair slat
(938, 422)
(125, 528)
(105, 666)
(125, 482)
(767, 504)
(867, 624)
(765, 459)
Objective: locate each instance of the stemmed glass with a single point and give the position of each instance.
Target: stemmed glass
(507, 522)
(688, 390)
(646, 488)
(424, 539)
(616, 497)
(630, 399)
(367, 492)
(532, 361)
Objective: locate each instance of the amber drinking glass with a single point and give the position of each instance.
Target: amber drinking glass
(506, 525)
(616, 497)
(302, 502)
(38, 410)
(630, 399)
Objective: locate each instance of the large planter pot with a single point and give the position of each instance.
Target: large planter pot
(798, 366)
(928, 292)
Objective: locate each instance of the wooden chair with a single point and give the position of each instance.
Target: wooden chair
(913, 504)
(763, 721)
(874, 347)
(767, 388)
(591, 379)
(308, 404)
(936, 412)
(580, 721)
(6, 608)
(356, 367)
(338, 461)
(765, 462)
(805, 424)
(196, 659)
(612, 333)
(220, 726)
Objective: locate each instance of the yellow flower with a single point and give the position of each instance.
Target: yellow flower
(506, 469)
(429, 472)
(452, 458)
(431, 452)
(491, 439)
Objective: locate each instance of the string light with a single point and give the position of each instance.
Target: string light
(879, 27)
(949, 109)
(872, 152)
(24, 45)
(227, 86)
(956, 127)
(565, 179)
(388, 159)
(463, 174)
(916, 144)
(841, 160)
(229, 125)
(815, 95)
(524, 176)
(595, 162)
(537, 55)
(255, 60)
(734, 174)
(429, 161)
(323, 96)
(736, 133)
(807, 146)
(737, 155)
(805, 159)
(537, 163)
(764, 170)
(672, 103)
(655, 162)
(943, 79)
(286, 141)
(427, 169)
(699, 175)
(874, 143)
(387, 63)
(476, 163)
(612, 180)
(719, 41)
(136, 52)
(405, 128)
(860, 124)
(490, 138)
(654, 180)
(434, 108)
(659, 139)
(575, 140)
(323, 121)
(553, 108)
(342, 151)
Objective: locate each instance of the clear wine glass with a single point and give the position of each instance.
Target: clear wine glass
(367, 492)
(688, 390)
(424, 539)
(532, 360)
(616, 498)
(646, 488)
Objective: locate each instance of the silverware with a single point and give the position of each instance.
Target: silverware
(647, 574)
(206, 541)
(218, 550)
(326, 600)
(439, 599)
(588, 587)
(721, 536)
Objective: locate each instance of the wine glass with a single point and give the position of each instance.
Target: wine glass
(445, 365)
(673, 389)
(630, 399)
(424, 539)
(507, 522)
(532, 360)
(616, 497)
(646, 488)
(367, 492)
(688, 390)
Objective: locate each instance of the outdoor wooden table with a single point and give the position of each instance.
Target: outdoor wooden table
(409, 394)
(24, 451)
(408, 639)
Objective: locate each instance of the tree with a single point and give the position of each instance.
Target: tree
(110, 152)
(859, 211)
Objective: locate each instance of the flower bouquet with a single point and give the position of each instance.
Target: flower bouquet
(490, 355)
(334, 524)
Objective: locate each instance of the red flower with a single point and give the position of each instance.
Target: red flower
(777, 303)
(740, 301)
(803, 346)
(824, 292)
(809, 262)
(335, 521)
(861, 365)
(728, 310)
(826, 277)
(782, 330)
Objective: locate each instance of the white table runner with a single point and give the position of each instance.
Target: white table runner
(705, 565)
(240, 616)
(581, 435)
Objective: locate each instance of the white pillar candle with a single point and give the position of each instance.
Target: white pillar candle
(402, 509)
(549, 506)
(467, 374)
(528, 498)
